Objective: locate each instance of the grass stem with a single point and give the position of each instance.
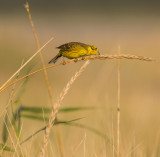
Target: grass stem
(57, 106)
(101, 57)
(45, 72)
(118, 106)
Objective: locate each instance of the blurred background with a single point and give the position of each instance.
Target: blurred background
(134, 25)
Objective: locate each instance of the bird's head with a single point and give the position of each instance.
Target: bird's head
(93, 50)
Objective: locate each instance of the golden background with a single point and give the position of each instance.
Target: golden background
(135, 26)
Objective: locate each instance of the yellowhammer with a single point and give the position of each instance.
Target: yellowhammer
(75, 50)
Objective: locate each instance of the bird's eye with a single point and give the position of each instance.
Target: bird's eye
(93, 48)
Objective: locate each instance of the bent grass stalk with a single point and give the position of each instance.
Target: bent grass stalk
(57, 106)
(101, 57)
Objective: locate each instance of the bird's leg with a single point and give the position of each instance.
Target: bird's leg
(63, 61)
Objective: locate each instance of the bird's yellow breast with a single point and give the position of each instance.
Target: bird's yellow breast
(76, 52)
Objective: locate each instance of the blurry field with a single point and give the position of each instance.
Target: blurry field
(96, 87)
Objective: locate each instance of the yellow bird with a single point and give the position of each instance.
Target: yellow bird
(75, 50)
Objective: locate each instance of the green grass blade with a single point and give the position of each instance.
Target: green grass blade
(4, 131)
(40, 110)
(34, 117)
(23, 86)
(6, 148)
(16, 121)
(21, 91)
(37, 110)
(90, 129)
(73, 109)
(42, 129)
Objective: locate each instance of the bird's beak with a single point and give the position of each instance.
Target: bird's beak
(98, 53)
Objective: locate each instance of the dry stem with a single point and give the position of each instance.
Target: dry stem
(15, 148)
(40, 53)
(57, 106)
(118, 105)
(113, 144)
(101, 57)
(45, 72)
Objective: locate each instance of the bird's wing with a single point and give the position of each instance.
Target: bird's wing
(71, 46)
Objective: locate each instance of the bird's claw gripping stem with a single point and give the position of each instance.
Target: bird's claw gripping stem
(64, 63)
(75, 60)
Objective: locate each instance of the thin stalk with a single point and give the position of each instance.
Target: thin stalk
(57, 106)
(118, 106)
(45, 73)
(40, 53)
(101, 57)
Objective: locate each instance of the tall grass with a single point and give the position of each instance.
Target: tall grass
(45, 74)
(57, 106)
(13, 128)
(118, 105)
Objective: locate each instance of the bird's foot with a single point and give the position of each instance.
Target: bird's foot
(83, 58)
(63, 63)
(75, 60)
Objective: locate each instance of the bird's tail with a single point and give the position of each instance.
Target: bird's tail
(54, 60)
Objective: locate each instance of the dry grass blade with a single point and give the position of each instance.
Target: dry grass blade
(57, 106)
(25, 64)
(101, 57)
(77, 147)
(59, 140)
(118, 105)
(17, 138)
(113, 144)
(13, 144)
(45, 73)
(40, 53)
